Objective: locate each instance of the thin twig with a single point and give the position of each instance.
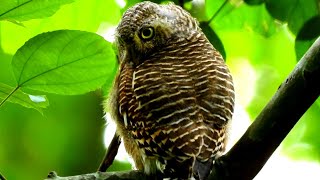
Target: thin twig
(2, 177)
(111, 153)
(9, 95)
(217, 12)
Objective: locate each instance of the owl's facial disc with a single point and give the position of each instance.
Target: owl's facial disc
(152, 35)
(148, 27)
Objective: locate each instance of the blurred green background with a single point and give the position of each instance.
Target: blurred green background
(261, 44)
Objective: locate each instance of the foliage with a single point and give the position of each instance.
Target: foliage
(16, 11)
(67, 61)
(22, 98)
(52, 48)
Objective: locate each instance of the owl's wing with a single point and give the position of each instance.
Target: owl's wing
(215, 90)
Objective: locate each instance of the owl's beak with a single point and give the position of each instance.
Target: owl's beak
(126, 50)
(122, 49)
(128, 55)
(132, 55)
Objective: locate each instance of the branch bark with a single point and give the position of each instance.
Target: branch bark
(102, 176)
(111, 153)
(246, 158)
(294, 96)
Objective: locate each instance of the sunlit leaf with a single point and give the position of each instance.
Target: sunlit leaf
(19, 97)
(130, 3)
(306, 36)
(244, 17)
(295, 12)
(15, 10)
(197, 9)
(303, 142)
(64, 62)
(273, 59)
(81, 15)
(318, 102)
(212, 7)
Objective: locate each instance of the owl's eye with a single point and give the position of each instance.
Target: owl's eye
(147, 33)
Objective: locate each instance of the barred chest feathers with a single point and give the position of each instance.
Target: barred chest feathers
(173, 97)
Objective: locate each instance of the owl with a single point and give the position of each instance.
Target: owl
(173, 96)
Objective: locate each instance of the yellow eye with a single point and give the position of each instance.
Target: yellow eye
(147, 33)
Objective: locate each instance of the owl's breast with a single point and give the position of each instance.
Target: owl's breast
(164, 91)
(176, 105)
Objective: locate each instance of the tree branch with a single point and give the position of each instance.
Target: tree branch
(246, 158)
(103, 175)
(111, 153)
(294, 96)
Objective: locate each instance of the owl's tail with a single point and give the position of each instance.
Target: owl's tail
(201, 170)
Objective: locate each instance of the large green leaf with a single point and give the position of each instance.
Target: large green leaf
(21, 10)
(19, 97)
(295, 12)
(64, 62)
(307, 35)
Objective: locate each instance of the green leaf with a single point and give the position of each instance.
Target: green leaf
(197, 9)
(22, 10)
(15, 95)
(310, 29)
(306, 36)
(303, 142)
(254, 2)
(130, 4)
(64, 62)
(81, 15)
(239, 17)
(295, 12)
(213, 38)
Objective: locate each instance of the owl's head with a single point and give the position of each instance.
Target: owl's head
(148, 27)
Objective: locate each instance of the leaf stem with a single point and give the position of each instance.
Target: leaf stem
(217, 12)
(2, 177)
(6, 98)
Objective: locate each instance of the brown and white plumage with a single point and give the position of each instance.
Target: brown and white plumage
(173, 97)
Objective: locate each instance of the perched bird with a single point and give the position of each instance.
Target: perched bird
(173, 96)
